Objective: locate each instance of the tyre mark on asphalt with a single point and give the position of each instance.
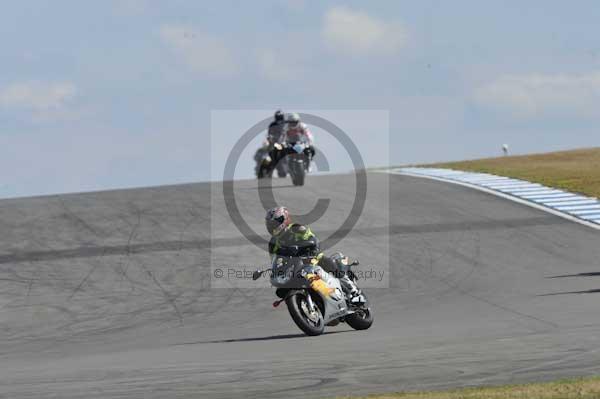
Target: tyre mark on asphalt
(168, 297)
(455, 251)
(132, 234)
(70, 215)
(87, 276)
(455, 286)
(207, 243)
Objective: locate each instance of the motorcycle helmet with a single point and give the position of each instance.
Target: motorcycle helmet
(279, 116)
(339, 258)
(277, 220)
(293, 119)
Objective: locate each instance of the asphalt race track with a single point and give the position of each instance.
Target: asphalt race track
(109, 294)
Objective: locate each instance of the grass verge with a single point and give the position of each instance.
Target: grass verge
(581, 388)
(575, 170)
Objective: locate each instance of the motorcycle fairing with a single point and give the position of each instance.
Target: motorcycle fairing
(319, 285)
(330, 290)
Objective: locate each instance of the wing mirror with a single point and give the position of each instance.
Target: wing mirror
(256, 275)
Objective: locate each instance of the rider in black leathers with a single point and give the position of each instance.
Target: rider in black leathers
(293, 239)
(276, 135)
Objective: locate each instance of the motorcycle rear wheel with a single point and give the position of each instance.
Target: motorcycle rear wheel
(311, 324)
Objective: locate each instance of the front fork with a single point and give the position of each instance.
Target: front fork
(309, 301)
(311, 304)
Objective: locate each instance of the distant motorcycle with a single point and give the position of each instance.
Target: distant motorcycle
(282, 167)
(298, 161)
(315, 298)
(264, 163)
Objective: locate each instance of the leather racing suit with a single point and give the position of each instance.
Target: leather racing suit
(276, 135)
(299, 240)
(301, 132)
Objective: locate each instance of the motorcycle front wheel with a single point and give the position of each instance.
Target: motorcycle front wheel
(361, 320)
(311, 322)
(298, 173)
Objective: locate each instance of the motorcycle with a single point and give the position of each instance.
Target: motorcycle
(315, 298)
(298, 161)
(282, 168)
(263, 163)
(264, 167)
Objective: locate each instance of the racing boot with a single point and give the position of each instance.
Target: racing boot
(310, 154)
(351, 290)
(307, 164)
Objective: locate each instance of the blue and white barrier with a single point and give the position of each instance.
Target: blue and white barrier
(577, 207)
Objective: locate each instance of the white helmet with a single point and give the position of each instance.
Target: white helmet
(293, 118)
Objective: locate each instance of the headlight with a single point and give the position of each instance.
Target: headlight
(282, 275)
(282, 279)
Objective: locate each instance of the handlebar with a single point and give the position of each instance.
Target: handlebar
(256, 275)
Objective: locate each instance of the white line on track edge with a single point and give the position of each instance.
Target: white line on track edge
(522, 201)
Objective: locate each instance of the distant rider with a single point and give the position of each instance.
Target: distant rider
(277, 127)
(296, 131)
(276, 139)
(293, 239)
(259, 158)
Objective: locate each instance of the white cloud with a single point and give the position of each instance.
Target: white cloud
(273, 66)
(538, 95)
(356, 32)
(37, 96)
(201, 52)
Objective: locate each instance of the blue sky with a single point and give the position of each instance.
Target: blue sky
(110, 94)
